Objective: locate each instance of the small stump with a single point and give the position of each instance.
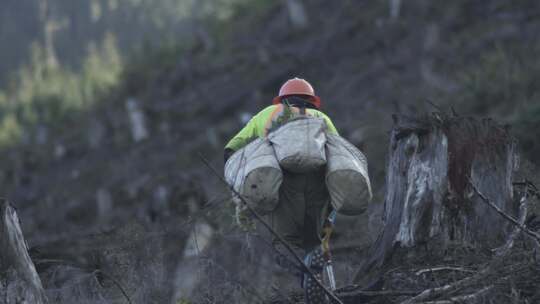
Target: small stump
(19, 282)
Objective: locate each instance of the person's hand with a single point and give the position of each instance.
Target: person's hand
(244, 218)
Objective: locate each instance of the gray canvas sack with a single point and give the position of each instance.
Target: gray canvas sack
(299, 144)
(347, 176)
(254, 172)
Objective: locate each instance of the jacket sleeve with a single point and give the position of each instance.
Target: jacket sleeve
(244, 137)
(331, 128)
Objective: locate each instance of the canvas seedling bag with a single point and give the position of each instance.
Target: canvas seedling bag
(299, 144)
(347, 176)
(254, 172)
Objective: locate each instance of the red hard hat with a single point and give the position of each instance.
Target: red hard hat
(297, 86)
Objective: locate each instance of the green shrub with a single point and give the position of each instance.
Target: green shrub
(46, 95)
(10, 130)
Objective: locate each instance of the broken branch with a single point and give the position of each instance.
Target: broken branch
(521, 226)
(442, 268)
(463, 298)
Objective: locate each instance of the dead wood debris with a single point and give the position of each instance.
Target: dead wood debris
(521, 225)
(494, 271)
(464, 298)
(509, 270)
(442, 268)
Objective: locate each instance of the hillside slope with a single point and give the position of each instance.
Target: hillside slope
(95, 196)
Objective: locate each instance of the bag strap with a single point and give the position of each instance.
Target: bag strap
(301, 107)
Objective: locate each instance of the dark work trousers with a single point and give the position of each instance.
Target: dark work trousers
(299, 215)
(298, 218)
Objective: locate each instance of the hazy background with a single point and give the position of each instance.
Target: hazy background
(106, 104)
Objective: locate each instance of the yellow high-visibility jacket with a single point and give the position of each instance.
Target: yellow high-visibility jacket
(268, 120)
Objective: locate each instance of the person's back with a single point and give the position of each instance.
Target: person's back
(303, 197)
(271, 118)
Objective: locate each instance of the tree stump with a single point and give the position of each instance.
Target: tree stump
(19, 282)
(430, 202)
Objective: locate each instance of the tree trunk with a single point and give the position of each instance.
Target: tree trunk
(395, 8)
(19, 282)
(49, 29)
(430, 200)
(297, 14)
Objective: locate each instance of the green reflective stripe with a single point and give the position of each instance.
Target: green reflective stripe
(269, 119)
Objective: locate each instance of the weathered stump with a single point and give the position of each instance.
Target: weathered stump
(19, 282)
(430, 200)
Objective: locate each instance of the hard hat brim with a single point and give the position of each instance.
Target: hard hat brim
(315, 100)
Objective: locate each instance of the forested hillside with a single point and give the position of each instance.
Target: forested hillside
(106, 106)
(67, 29)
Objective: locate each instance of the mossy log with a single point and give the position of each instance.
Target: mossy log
(19, 282)
(430, 202)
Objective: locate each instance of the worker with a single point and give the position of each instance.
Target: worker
(304, 200)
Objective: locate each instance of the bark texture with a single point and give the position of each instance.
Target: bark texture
(429, 199)
(19, 282)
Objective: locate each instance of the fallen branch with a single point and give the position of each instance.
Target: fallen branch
(429, 293)
(463, 298)
(521, 226)
(523, 211)
(382, 293)
(116, 283)
(443, 268)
